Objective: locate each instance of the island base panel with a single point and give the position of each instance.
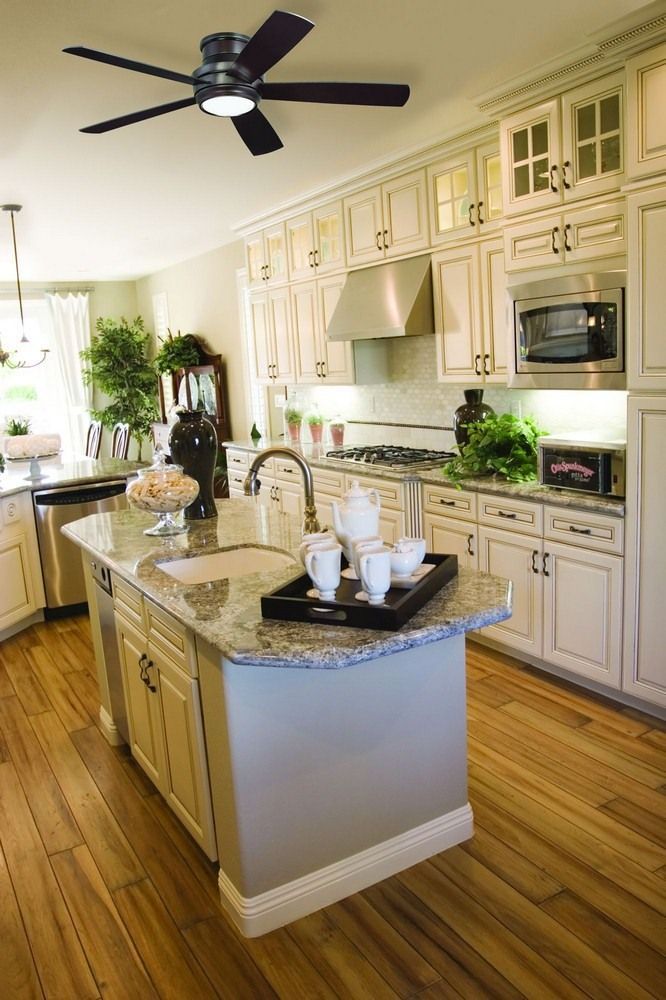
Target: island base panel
(326, 781)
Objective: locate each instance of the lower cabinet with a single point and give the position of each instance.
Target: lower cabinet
(21, 593)
(391, 510)
(164, 710)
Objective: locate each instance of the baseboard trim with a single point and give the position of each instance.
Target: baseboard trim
(109, 728)
(267, 911)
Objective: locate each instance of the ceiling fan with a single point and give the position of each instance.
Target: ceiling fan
(230, 81)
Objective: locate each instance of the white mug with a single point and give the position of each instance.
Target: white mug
(404, 560)
(414, 543)
(315, 538)
(361, 545)
(322, 564)
(356, 542)
(375, 572)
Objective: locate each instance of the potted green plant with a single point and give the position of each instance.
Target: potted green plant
(337, 429)
(17, 426)
(177, 352)
(316, 424)
(117, 365)
(501, 445)
(293, 417)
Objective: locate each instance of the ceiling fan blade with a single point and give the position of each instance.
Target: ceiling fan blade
(138, 67)
(139, 116)
(257, 133)
(389, 95)
(276, 36)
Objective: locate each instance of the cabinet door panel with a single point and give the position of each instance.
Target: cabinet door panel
(451, 192)
(300, 247)
(647, 291)
(329, 237)
(261, 338)
(530, 144)
(496, 329)
(595, 232)
(391, 526)
(280, 317)
(593, 137)
(255, 258)
(516, 558)
(448, 536)
(306, 332)
(338, 356)
(583, 612)
(143, 713)
(275, 243)
(534, 244)
(646, 122)
(457, 315)
(16, 596)
(405, 218)
(363, 226)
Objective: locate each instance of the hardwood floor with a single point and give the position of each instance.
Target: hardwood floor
(561, 892)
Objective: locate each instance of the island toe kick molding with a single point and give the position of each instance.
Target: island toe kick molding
(277, 907)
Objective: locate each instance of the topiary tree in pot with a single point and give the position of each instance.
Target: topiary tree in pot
(118, 366)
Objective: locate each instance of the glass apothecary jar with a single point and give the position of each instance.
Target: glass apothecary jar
(163, 490)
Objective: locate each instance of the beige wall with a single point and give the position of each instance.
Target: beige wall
(202, 299)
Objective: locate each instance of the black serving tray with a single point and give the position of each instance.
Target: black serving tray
(290, 603)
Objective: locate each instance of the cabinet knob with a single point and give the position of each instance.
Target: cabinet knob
(386, 244)
(479, 217)
(378, 239)
(477, 358)
(311, 259)
(553, 175)
(316, 258)
(317, 363)
(508, 514)
(565, 167)
(545, 564)
(567, 245)
(470, 550)
(535, 568)
(580, 531)
(323, 369)
(470, 210)
(486, 357)
(553, 235)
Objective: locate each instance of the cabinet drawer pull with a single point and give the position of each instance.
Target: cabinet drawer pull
(553, 173)
(486, 357)
(479, 217)
(386, 243)
(545, 564)
(554, 231)
(378, 240)
(316, 258)
(317, 363)
(470, 550)
(471, 209)
(311, 258)
(567, 245)
(565, 167)
(446, 503)
(510, 515)
(144, 666)
(323, 369)
(580, 531)
(477, 358)
(535, 568)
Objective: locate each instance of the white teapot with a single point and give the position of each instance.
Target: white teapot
(357, 515)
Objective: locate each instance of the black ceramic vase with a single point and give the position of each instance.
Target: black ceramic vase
(193, 444)
(471, 411)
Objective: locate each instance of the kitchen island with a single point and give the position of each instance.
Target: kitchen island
(333, 756)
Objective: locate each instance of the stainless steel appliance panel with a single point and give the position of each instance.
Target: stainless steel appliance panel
(61, 560)
(101, 575)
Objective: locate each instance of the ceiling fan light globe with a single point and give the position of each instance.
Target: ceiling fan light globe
(227, 105)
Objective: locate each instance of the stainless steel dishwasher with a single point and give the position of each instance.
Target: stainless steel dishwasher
(101, 575)
(62, 568)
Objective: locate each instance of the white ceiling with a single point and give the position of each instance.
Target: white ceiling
(130, 202)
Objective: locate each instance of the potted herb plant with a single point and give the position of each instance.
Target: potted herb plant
(293, 417)
(177, 352)
(337, 429)
(117, 365)
(501, 445)
(316, 424)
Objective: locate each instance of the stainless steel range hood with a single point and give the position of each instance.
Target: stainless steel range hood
(390, 300)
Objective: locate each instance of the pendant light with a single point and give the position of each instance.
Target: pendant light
(12, 359)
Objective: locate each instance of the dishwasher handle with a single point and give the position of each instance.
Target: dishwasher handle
(63, 498)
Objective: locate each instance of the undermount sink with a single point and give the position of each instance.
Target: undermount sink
(229, 563)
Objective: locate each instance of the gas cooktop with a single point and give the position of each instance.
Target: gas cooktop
(391, 456)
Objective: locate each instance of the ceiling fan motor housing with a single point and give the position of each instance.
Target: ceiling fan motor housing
(220, 52)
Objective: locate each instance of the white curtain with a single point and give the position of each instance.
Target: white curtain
(70, 315)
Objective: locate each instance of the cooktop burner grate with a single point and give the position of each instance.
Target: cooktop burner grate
(391, 456)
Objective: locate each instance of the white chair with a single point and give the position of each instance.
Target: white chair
(94, 439)
(120, 441)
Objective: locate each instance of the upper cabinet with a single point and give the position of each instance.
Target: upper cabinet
(646, 113)
(647, 291)
(387, 220)
(271, 337)
(266, 257)
(465, 193)
(316, 242)
(566, 148)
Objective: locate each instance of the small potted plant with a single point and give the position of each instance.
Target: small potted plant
(293, 416)
(337, 429)
(17, 427)
(177, 352)
(316, 425)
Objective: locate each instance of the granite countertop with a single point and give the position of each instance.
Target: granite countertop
(315, 454)
(55, 472)
(227, 613)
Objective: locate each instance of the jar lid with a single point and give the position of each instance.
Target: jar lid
(161, 465)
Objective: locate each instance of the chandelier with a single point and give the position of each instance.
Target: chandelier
(14, 359)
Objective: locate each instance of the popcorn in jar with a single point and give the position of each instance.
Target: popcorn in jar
(163, 490)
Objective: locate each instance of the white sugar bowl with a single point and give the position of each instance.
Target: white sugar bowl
(404, 559)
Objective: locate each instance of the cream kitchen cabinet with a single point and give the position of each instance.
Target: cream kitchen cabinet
(470, 313)
(318, 360)
(566, 148)
(329, 486)
(465, 194)
(271, 337)
(392, 504)
(644, 667)
(160, 682)
(22, 591)
(646, 339)
(387, 220)
(553, 239)
(266, 256)
(238, 462)
(316, 242)
(646, 117)
(449, 523)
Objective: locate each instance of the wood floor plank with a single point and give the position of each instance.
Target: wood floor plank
(462, 968)
(517, 870)
(577, 739)
(115, 963)
(535, 927)
(615, 836)
(61, 696)
(655, 737)
(69, 652)
(640, 820)
(6, 687)
(18, 976)
(59, 958)
(337, 959)
(86, 689)
(645, 966)
(654, 757)
(52, 815)
(400, 965)
(24, 684)
(533, 833)
(172, 967)
(287, 969)
(517, 961)
(108, 844)
(221, 954)
(185, 899)
(505, 687)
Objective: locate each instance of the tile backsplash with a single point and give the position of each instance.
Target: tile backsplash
(413, 408)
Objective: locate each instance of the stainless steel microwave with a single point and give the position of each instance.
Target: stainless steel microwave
(568, 332)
